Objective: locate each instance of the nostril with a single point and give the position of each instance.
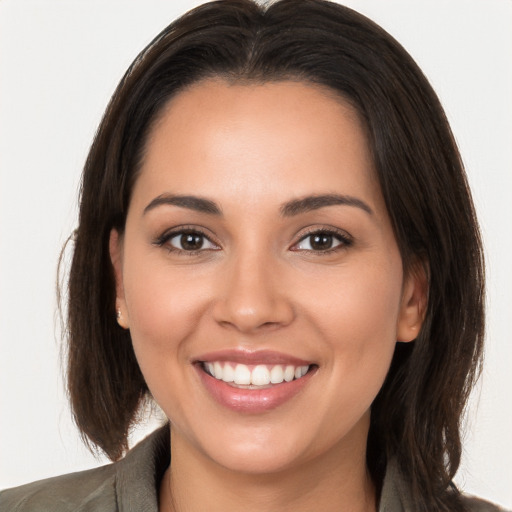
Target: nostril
(252, 300)
(248, 326)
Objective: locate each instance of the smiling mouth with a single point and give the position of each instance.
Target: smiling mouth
(257, 376)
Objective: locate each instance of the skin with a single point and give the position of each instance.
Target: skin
(258, 284)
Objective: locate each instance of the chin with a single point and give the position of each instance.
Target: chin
(252, 460)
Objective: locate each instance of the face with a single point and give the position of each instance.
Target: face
(259, 275)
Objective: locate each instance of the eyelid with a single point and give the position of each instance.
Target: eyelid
(345, 238)
(341, 235)
(169, 234)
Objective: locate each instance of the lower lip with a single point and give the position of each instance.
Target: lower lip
(252, 400)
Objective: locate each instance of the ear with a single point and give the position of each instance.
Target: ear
(115, 247)
(414, 302)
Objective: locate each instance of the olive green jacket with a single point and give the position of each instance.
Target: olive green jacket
(131, 484)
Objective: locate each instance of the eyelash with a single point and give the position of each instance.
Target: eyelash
(163, 240)
(341, 236)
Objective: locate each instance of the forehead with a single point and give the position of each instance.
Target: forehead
(256, 141)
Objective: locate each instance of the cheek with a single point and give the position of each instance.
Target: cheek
(164, 312)
(163, 306)
(358, 330)
(356, 315)
(359, 303)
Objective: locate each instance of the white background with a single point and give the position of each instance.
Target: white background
(59, 63)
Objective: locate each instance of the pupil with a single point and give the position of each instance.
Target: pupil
(191, 241)
(321, 242)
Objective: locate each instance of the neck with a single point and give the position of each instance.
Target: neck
(331, 482)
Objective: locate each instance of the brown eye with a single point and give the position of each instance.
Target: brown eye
(190, 241)
(322, 241)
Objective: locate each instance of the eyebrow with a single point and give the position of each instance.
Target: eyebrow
(198, 204)
(309, 203)
(288, 209)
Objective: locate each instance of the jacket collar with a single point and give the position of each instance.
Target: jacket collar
(139, 473)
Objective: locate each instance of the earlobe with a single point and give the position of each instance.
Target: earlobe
(116, 258)
(414, 304)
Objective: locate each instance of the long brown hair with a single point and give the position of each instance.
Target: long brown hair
(417, 415)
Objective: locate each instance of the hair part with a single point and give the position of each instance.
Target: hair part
(416, 417)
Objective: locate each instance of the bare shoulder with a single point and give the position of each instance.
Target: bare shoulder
(474, 504)
(79, 492)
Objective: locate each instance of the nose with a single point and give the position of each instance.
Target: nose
(253, 295)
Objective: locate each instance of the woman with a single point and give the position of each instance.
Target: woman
(272, 202)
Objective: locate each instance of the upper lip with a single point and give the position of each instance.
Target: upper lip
(251, 357)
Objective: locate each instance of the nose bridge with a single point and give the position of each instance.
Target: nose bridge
(253, 293)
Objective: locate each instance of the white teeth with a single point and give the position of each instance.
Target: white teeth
(242, 374)
(277, 374)
(261, 375)
(300, 371)
(217, 370)
(289, 373)
(228, 374)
